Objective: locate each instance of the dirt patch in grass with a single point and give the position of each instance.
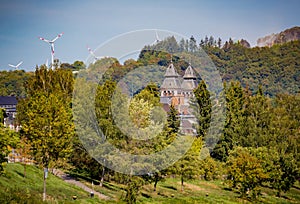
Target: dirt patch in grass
(192, 187)
(211, 185)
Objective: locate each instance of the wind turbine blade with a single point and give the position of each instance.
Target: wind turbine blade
(58, 36)
(43, 39)
(92, 53)
(156, 35)
(13, 66)
(19, 64)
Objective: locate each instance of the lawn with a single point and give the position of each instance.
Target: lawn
(14, 188)
(195, 191)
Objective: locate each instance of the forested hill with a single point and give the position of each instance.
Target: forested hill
(276, 68)
(12, 82)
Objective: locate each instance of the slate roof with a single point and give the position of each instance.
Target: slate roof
(8, 100)
(189, 73)
(189, 79)
(171, 80)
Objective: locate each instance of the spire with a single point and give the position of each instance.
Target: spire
(171, 80)
(189, 79)
(189, 73)
(171, 71)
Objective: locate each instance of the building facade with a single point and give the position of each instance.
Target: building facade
(178, 91)
(9, 105)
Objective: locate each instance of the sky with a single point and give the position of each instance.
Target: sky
(93, 22)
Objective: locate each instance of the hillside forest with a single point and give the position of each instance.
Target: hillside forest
(258, 147)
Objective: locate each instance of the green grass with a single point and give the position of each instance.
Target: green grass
(14, 186)
(195, 191)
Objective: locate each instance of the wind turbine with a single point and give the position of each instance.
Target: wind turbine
(47, 64)
(16, 66)
(51, 42)
(93, 54)
(157, 40)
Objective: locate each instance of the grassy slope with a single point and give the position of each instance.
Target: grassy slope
(14, 188)
(196, 191)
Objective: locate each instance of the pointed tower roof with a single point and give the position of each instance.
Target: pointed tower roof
(189, 73)
(171, 80)
(171, 72)
(189, 79)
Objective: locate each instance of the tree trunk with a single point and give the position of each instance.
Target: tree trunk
(102, 176)
(24, 163)
(44, 192)
(182, 183)
(155, 183)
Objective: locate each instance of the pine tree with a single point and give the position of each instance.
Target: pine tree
(202, 104)
(234, 130)
(192, 44)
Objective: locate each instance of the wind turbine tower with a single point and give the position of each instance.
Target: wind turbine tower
(51, 42)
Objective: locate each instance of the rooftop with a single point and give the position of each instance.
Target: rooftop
(8, 100)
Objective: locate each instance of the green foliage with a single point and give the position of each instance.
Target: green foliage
(133, 189)
(173, 120)
(188, 166)
(203, 105)
(259, 66)
(258, 120)
(245, 172)
(234, 129)
(210, 168)
(46, 115)
(285, 173)
(8, 139)
(12, 82)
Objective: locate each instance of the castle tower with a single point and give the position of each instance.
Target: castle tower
(189, 82)
(170, 89)
(171, 84)
(178, 91)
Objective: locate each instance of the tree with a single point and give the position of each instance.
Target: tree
(211, 41)
(8, 139)
(202, 105)
(258, 120)
(209, 167)
(173, 123)
(188, 166)
(284, 173)
(234, 130)
(186, 45)
(206, 40)
(182, 45)
(78, 65)
(219, 42)
(134, 184)
(201, 44)
(245, 172)
(282, 169)
(192, 44)
(24, 149)
(46, 116)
